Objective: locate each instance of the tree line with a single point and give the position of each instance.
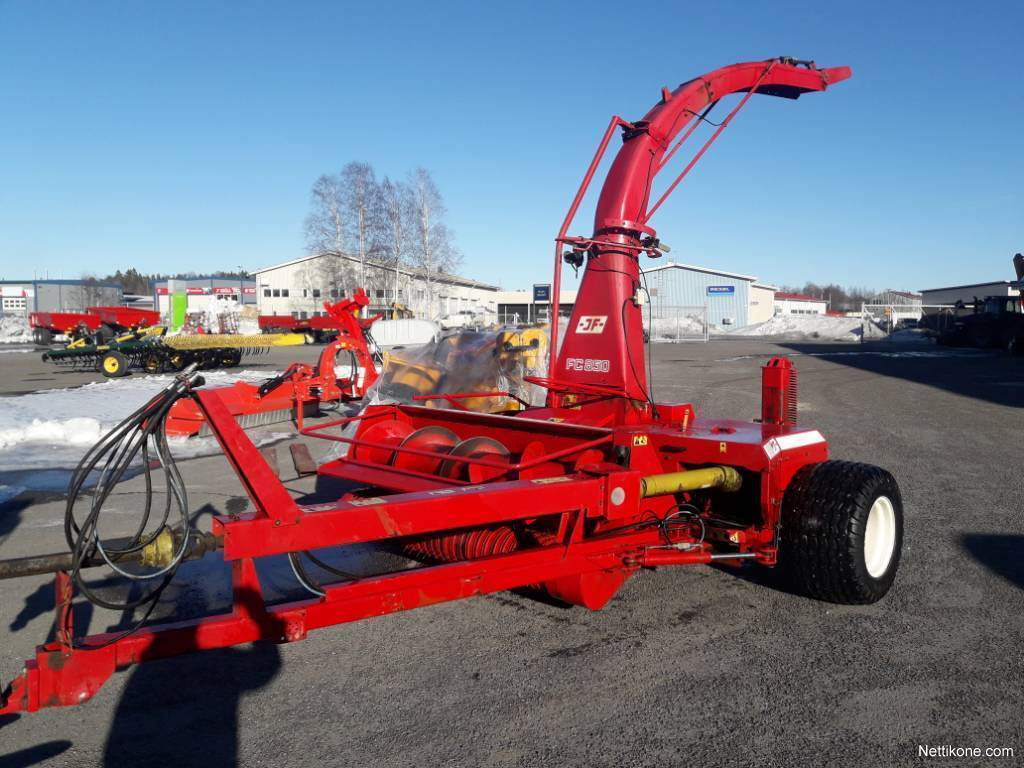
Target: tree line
(141, 283)
(838, 297)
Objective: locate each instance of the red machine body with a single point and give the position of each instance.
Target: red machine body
(346, 370)
(318, 327)
(63, 322)
(572, 498)
(116, 320)
(125, 317)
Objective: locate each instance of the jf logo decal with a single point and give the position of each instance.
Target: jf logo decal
(591, 324)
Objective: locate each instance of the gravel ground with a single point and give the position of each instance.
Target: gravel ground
(687, 666)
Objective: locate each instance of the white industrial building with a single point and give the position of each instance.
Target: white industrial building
(201, 290)
(300, 287)
(730, 299)
(519, 306)
(967, 293)
(799, 304)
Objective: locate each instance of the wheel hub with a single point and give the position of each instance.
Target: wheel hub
(879, 537)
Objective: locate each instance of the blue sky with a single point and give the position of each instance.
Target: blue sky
(185, 136)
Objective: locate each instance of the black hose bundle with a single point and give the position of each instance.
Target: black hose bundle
(141, 434)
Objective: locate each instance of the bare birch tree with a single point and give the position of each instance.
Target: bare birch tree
(361, 199)
(433, 252)
(396, 231)
(326, 225)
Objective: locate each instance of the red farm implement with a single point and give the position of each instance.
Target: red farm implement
(103, 323)
(316, 329)
(570, 499)
(347, 368)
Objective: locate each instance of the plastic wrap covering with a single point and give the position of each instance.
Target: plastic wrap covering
(468, 362)
(459, 363)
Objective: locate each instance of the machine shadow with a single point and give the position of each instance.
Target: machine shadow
(993, 377)
(759, 576)
(1003, 554)
(10, 515)
(184, 710)
(34, 755)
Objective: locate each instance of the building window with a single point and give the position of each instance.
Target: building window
(334, 293)
(379, 293)
(266, 293)
(277, 293)
(284, 293)
(302, 315)
(316, 293)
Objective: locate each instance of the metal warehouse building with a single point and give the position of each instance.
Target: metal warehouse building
(24, 296)
(968, 293)
(731, 299)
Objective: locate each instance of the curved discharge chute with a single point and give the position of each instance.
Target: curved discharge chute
(604, 351)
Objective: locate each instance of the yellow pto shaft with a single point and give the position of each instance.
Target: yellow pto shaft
(726, 478)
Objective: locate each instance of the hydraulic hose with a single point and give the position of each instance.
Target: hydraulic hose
(140, 435)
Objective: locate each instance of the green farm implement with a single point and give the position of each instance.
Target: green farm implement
(152, 351)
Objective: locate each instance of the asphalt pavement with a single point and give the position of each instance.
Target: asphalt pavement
(686, 666)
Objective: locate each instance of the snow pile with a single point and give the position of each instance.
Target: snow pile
(80, 430)
(248, 326)
(14, 330)
(680, 327)
(54, 428)
(805, 327)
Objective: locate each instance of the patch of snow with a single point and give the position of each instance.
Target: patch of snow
(680, 327)
(805, 327)
(248, 326)
(17, 349)
(14, 330)
(54, 428)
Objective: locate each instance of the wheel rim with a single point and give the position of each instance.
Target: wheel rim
(110, 365)
(880, 537)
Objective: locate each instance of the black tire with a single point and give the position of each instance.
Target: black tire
(153, 363)
(208, 359)
(42, 337)
(229, 358)
(823, 547)
(177, 360)
(114, 365)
